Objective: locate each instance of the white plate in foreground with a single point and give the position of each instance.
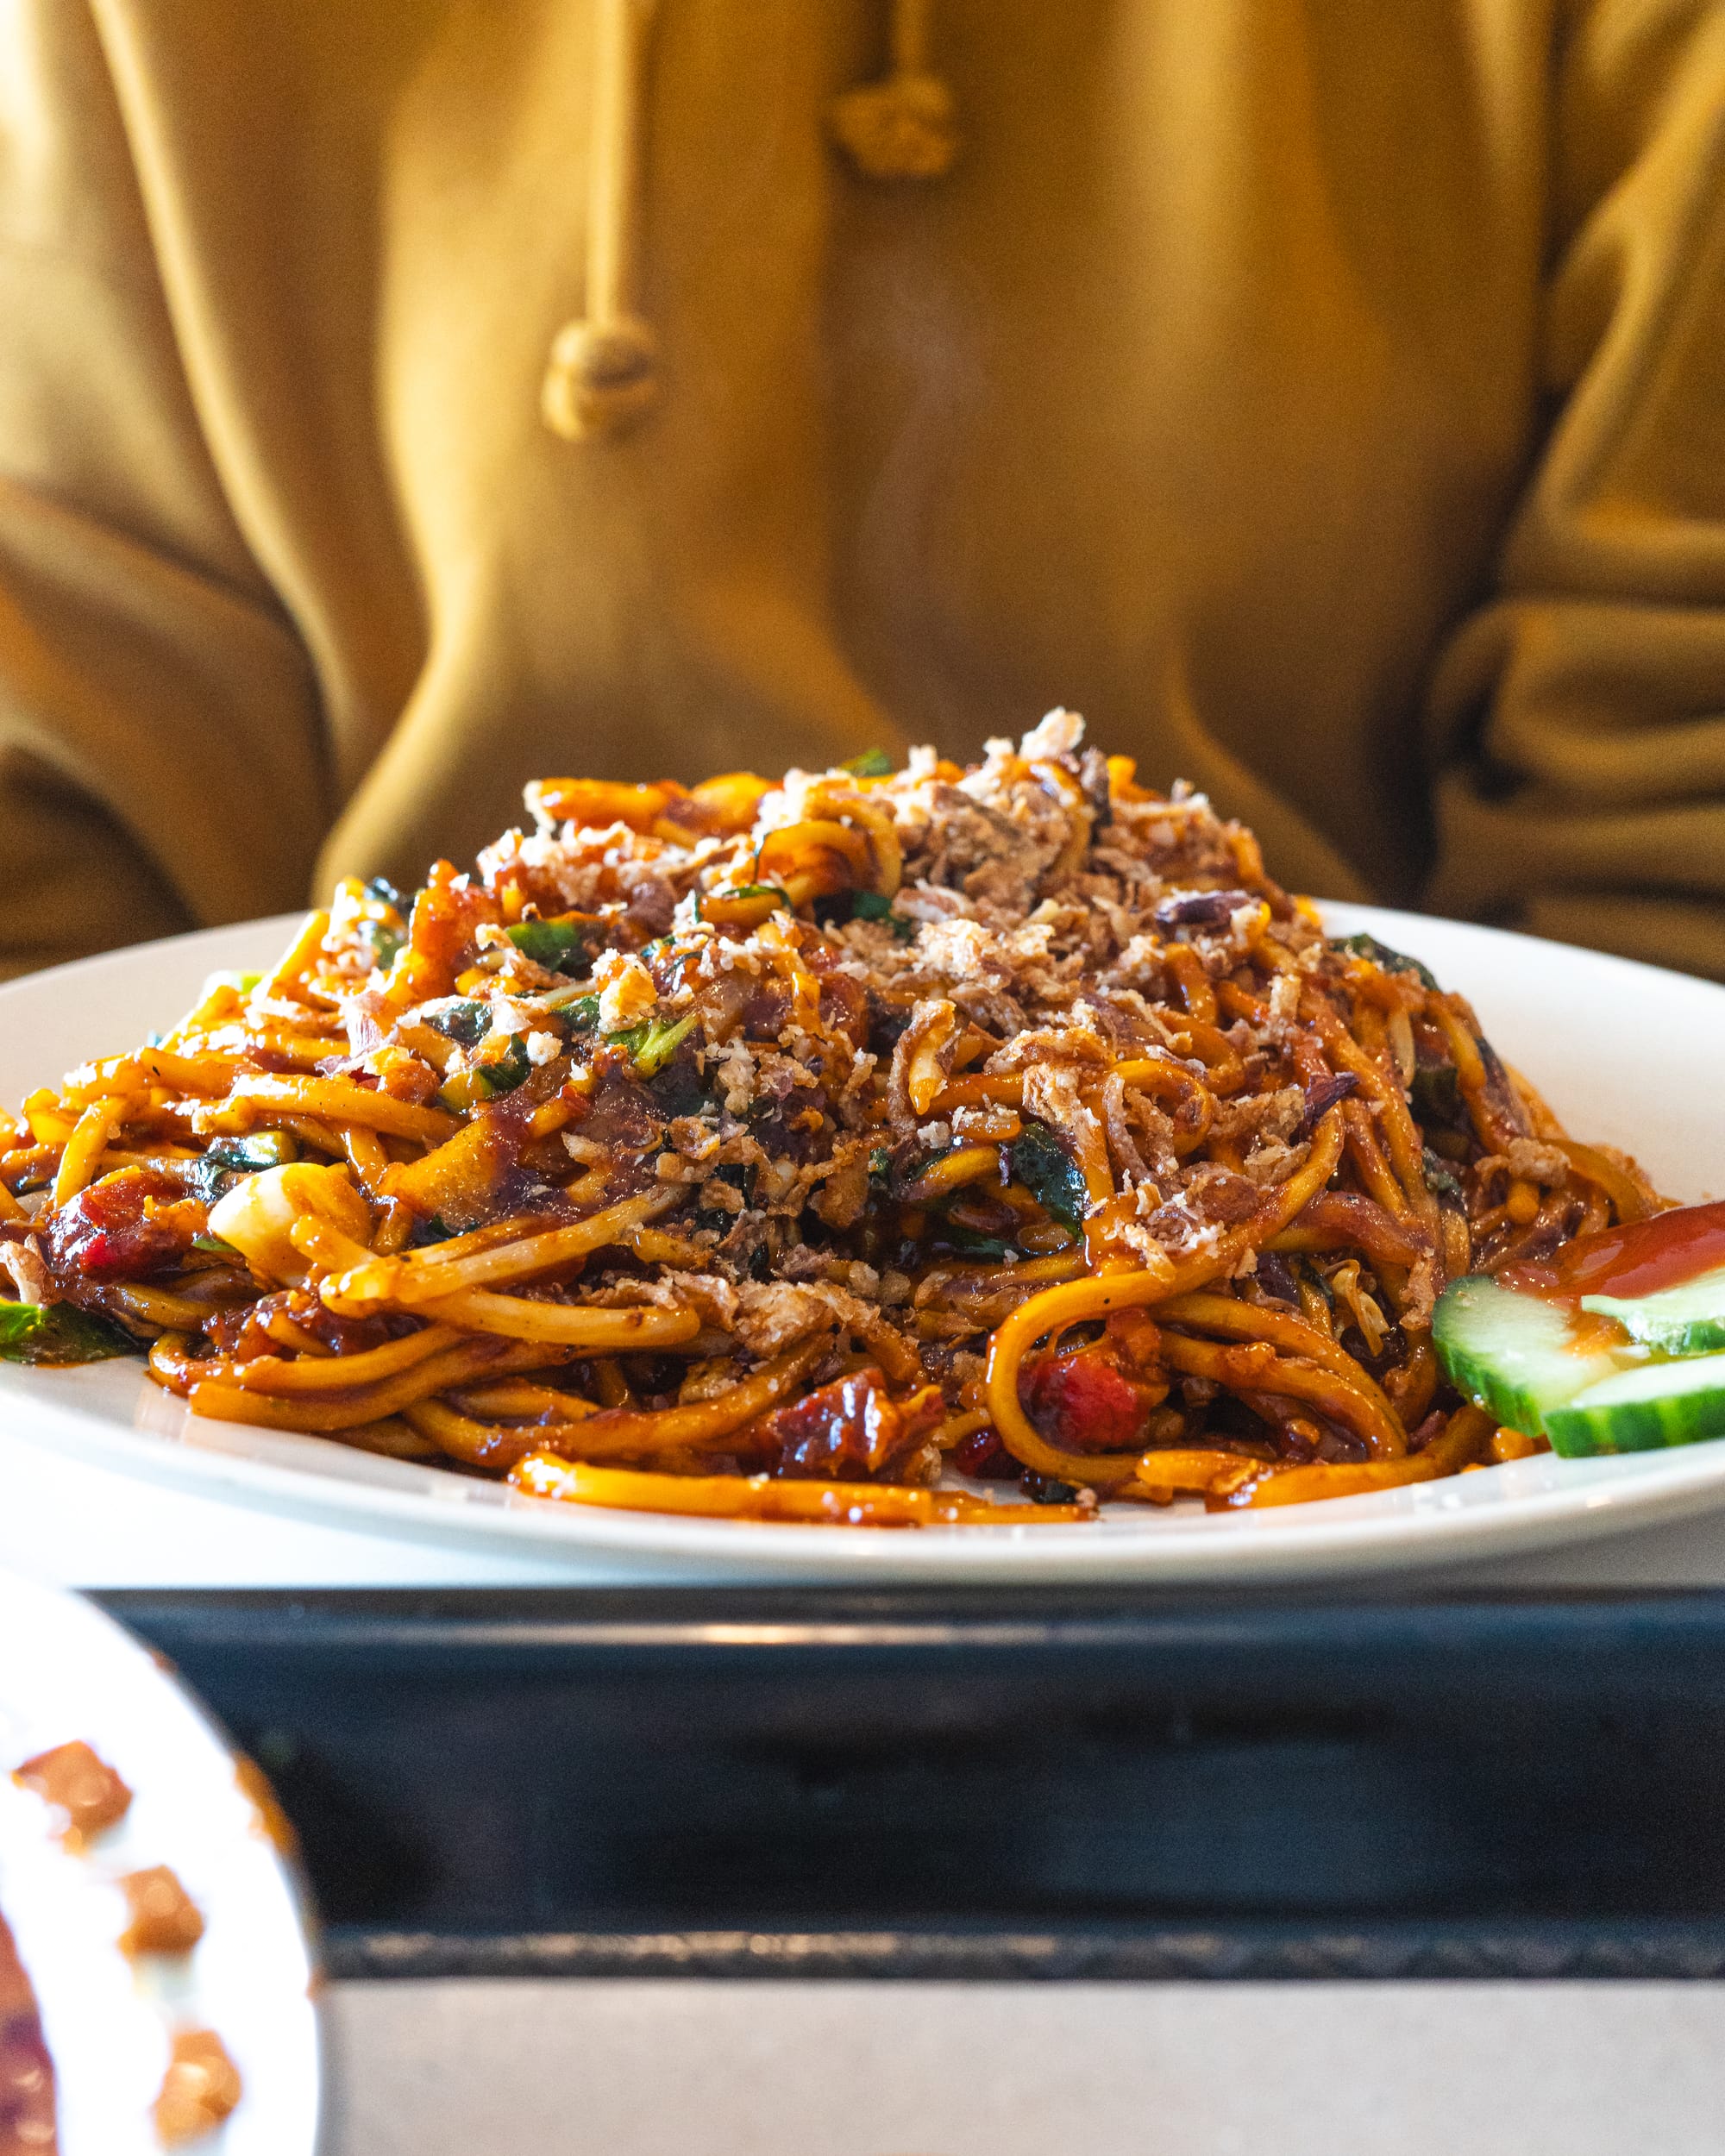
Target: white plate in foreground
(1624, 1053)
(71, 1675)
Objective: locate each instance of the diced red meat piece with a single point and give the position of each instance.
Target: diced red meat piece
(1083, 1403)
(621, 1114)
(844, 1001)
(984, 1458)
(850, 1428)
(133, 1223)
(766, 1011)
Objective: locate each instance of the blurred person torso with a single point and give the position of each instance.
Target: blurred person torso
(1327, 399)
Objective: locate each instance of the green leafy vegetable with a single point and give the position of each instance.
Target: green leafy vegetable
(466, 1023)
(1046, 1169)
(1435, 1093)
(229, 1158)
(1380, 955)
(503, 1070)
(870, 905)
(873, 763)
(385, 894)
(969, 1243)
(556, 945)
(57, 1333)
(1441, 1180)
(880, 1162)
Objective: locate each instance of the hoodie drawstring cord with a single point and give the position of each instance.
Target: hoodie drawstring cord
(903, 127)
(603, 372)
(604, 369)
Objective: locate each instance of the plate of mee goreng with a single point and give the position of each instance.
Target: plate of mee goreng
(726, 1175)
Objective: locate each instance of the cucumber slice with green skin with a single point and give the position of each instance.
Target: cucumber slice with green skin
(1511, 1353)
(1688, 1320)
(1642, 1409)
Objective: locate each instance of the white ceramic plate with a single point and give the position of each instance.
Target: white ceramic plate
(69, 1674)
(1624, 1053)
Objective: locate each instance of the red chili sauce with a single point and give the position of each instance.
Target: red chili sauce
(1638, 1258)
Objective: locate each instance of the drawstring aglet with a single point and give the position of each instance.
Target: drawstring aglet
(600, 378)
(603, 371)
(905, 127)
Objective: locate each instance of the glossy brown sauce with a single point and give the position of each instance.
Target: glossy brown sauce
(1639, 1259)
(27, 2086)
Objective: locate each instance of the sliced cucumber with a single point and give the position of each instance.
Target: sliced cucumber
(1513, 1353)
(1656, 1404)
(1689, 1320)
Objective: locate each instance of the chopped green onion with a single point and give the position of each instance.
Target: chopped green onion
(556, 945)
(653, 1043)
(500, 1072)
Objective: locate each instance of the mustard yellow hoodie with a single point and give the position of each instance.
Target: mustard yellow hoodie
(1327, 399)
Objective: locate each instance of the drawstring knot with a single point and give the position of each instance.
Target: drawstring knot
(604, 368)
(905, 127)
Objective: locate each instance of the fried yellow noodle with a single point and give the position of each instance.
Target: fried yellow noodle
(826, 1151)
